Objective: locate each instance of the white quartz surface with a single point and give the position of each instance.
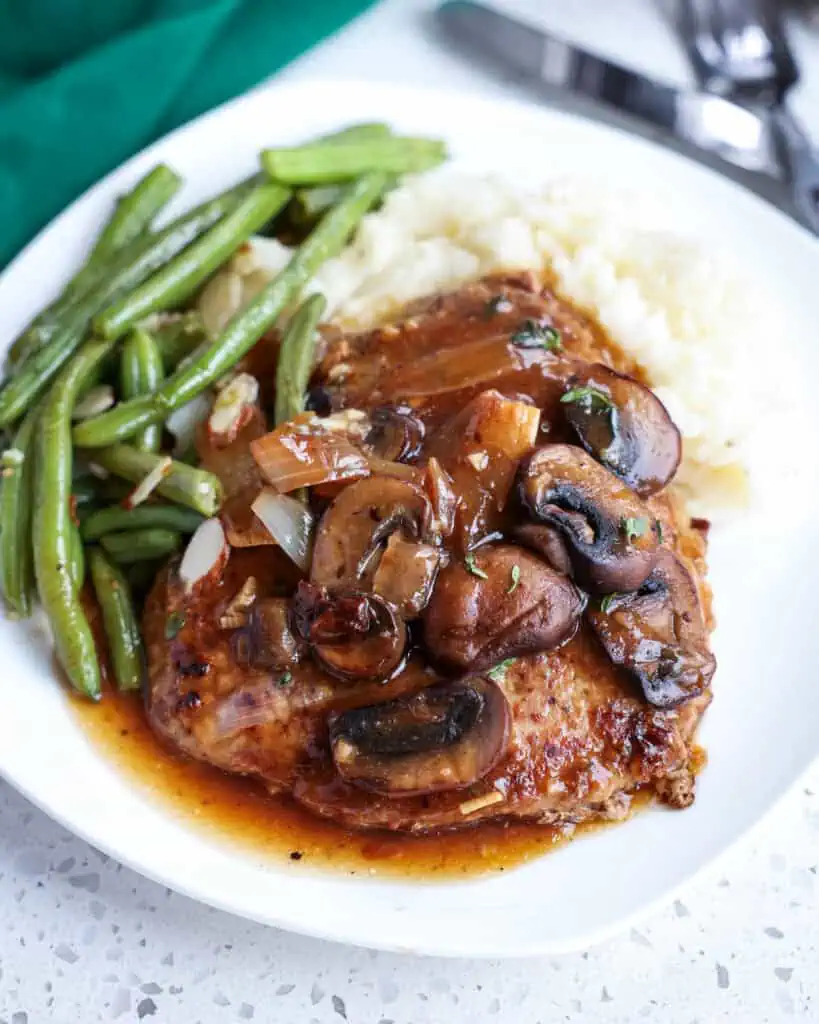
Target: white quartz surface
(84, 939)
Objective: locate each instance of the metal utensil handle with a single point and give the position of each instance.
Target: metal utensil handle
(801, 163)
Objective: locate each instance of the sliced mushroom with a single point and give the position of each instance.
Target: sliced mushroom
(396, 434)
(406, 575)
(608, 530)
(447, 736)
(355, 528)
(352, 634)
(503, 601)
(623, 425)
(659, 634)
(268, 640)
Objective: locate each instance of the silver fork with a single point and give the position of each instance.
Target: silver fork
(739, 49)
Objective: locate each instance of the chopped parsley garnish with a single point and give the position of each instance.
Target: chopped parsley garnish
(537, 334)
(633, 527)
(659, 527)
(497, 673)
(515, 579)
(498, 304)
(173, 624)
(285, 679)
(476, 570)
(590, 397)
(607, 602)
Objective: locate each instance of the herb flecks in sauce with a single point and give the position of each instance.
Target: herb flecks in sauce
(173, 625)
(537, 334)
(590, 397)
(469, 562)
(633, 527)
(515, 580)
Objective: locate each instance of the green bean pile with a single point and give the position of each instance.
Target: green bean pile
(109, 325)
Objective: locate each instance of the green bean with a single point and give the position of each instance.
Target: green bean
(176, 336)
(194, 488)
(129, 269)
(308, 204)
(244, 330)
(319, 163)
(16, 505)
(135, 210)
(132, 215)
(120, 621)
(51, 533)
(76, 565)
(357, 133)
(117, 520)
(296, 358)
(141, 372)
(183, 275)
(141, 545)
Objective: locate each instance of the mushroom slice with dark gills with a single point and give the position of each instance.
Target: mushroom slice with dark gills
(623, 425)
(447, 736)
(659, 635)
(609, 531)
(502, 601)
(353, 539)
(396, 434)
(351, 634)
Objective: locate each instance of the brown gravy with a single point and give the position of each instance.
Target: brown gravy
(239, 812)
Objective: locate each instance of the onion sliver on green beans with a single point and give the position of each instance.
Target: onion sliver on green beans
(120, 621)
(195, 488)
(244, 330)
(53, 527)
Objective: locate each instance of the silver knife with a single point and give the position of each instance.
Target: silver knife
(705, 121)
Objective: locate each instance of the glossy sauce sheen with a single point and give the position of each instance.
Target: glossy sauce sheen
(237, 811)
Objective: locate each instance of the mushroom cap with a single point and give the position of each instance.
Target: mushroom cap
(359, 521)
(352, 634)
(658, 634)
(444, 737)
(624, 426)
(504, 602)
(609, 531)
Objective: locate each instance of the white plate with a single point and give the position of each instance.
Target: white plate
(763, 728)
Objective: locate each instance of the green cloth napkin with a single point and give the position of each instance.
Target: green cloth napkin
(84, 84)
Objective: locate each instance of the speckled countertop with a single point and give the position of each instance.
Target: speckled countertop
(83, 939)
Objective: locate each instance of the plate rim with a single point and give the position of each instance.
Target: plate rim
(530, 946)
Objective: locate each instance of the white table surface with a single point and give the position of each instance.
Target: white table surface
(84, 939)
